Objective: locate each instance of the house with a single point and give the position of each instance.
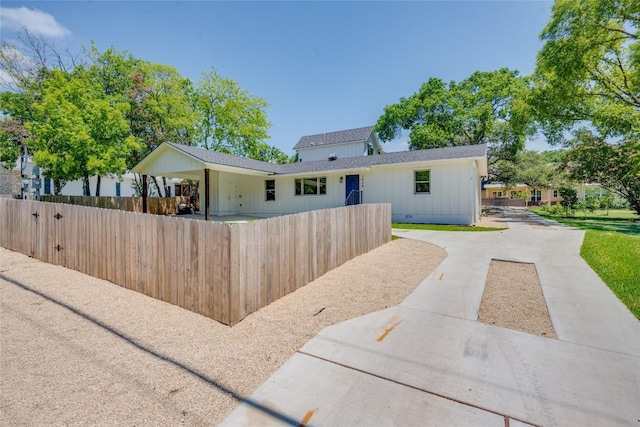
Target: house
(533, 196)
(347, 143)
(440, 185)
(35, 184)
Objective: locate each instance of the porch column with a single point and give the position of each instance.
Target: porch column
(206, 194)
(144, 193)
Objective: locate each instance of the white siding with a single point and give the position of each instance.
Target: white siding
(353, 149)
(252, 195)
(454, 196)
(175, 164)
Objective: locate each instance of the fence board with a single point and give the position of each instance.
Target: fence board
(225, 282)
(234, 273)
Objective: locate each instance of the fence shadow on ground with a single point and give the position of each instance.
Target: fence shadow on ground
(131, 341)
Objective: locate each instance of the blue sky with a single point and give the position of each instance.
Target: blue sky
(321, 66)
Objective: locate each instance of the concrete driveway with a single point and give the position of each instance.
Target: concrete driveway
(429, 362)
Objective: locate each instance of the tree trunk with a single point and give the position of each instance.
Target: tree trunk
(98, 186)
(155, 182)
(164, 185)
(85, 185)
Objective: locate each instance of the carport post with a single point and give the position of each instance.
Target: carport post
(144, 193)
(206, 194)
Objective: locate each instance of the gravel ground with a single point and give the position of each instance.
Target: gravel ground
(513, 299)
(76, 350)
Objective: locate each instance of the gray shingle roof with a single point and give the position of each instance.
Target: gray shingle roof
(445, 153)
(211, 156)
(349, 135)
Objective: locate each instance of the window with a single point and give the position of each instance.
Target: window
(536, 195)
(555, 194)
(311, 186)
(422, 183)
(514, 194)
(270, 187)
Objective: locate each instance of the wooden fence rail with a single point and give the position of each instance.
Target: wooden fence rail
(221, 271)
(155, 205)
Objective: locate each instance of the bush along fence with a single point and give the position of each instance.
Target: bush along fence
(156, 205)
(221, 271)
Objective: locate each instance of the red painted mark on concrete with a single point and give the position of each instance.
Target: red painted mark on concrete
(441, 276)
(389, 329)
(307, 417)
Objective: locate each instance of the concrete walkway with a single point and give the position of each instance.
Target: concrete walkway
(429, 362)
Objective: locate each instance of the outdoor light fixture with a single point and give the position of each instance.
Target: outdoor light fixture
(341, 180)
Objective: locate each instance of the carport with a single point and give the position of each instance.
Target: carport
(186, 162)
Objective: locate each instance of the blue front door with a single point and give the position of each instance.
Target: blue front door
(352, 190)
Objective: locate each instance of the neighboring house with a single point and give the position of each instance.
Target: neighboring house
(441, 185)
(533, 196)
(35, 184)
(9, 182)
(346, 143)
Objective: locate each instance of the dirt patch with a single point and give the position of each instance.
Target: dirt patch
(513, 299)
(80, 350)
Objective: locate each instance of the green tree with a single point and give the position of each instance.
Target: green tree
(161, 110)
(592, 159)
(554, 156)
(487, 107)
(231, 120)
(77, 130)
(569, 199)
(589, 69)
(272, 154)
(159, 98)
(24, 65)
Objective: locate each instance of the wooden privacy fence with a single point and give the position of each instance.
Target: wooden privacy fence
(221, 271)
(155, 205)
(503, 201)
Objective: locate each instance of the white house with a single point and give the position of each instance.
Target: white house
(35, 184)
(440, 185)
(347, 143)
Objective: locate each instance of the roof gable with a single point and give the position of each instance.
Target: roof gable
(330, 138)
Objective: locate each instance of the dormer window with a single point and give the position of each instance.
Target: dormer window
(370, 151)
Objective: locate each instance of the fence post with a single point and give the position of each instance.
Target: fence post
(144, 193)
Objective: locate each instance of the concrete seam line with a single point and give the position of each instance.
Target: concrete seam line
(453, 399)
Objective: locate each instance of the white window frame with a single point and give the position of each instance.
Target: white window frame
(321, 184)
(271, 191)
(416, 182)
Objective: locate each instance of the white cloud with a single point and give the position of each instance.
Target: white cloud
(35, 21)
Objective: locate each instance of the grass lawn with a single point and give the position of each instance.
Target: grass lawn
(442, 227)
(612, 248)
